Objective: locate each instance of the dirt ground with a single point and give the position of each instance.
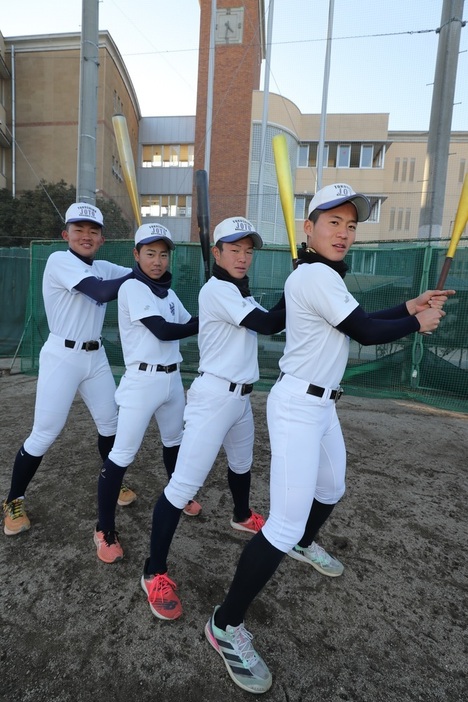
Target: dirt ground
(393, 628)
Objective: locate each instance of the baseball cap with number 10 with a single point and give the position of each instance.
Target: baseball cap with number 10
(335, 195)
(235, 228)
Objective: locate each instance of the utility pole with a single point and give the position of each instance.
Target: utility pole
(326, 80)
(87, 116)
(440, 126)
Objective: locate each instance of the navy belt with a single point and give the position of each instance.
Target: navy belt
(158, 368)
(246, 389)
(317, 391)
(85, 346)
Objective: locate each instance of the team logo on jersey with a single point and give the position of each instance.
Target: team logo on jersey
(172, 309)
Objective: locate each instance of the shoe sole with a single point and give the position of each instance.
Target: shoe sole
(153, 610)
(299, 557)
(239, 527)
(96, 543)
(191, 514)
(212, 640)
(10, 532)
(121, 503)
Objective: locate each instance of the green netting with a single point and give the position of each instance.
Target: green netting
(431, 369)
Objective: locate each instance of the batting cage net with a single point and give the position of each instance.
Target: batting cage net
(432, 369)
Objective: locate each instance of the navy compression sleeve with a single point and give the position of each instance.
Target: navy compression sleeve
(102, 290)
(391, 312)
(261, 322)
(170, 331)
(367, 330)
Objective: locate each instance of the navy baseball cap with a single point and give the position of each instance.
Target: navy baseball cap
(335, 195)
(84, 212)
(147, 233)
(235, 228)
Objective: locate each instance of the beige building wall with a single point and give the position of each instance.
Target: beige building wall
(46, 90)
(398, 181)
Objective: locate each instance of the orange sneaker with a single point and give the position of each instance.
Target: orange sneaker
(15, 519)
(192, 509)
(126, 496)
(108, 547)
(253, 524)
(162, 599)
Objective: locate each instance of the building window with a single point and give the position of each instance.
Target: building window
(396, 170)
(335, 155)
(392, 219)
(166, 205)
(312, 150)
(303, 156)
(375, 203)
(167, 156)
(300, 207)
(412, 167)
(367, 156)
(344, 156)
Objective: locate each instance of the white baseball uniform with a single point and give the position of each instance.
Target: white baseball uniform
(65, 367)
(308, 458)
(143, 393)
(218, 411)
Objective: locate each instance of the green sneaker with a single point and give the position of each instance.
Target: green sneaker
(245, 666)
(317, 557)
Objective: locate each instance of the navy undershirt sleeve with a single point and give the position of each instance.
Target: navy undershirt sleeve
(366, 329)
(102, 290)
(268, 323)
(170, 331)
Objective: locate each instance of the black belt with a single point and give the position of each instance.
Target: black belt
(317, 391)
(159, 368)
(246, 389)
(85, 346)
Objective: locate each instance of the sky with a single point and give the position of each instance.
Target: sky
(383, 54)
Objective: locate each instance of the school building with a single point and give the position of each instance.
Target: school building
(39, 109)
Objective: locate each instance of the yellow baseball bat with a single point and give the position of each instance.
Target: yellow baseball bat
(128, 165)
(284, 178)
(461, 218)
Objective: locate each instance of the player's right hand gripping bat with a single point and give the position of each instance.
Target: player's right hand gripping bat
(461, 218)
(203, 218)
(284, 177)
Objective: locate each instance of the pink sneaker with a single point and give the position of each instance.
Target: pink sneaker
(192, 509)
(253, 524)
(162, 599)
(109, 549)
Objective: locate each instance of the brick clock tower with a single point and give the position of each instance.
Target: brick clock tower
(239, 49)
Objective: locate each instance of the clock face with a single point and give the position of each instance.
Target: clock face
(229, 25)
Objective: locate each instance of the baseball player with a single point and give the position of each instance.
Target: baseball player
(75, 289)
(218, 411)
(152, 319)
(308, 458)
